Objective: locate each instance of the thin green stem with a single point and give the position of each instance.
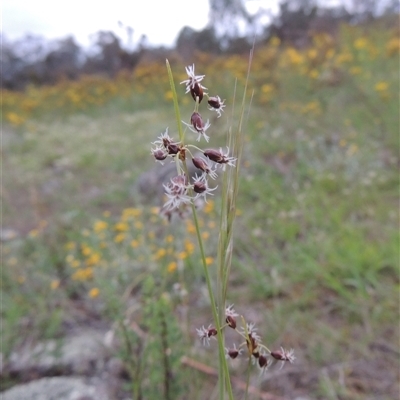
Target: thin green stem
(218, 314)
(176, 104)
(223, 366)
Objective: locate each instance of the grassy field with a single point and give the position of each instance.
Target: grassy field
(316, 248)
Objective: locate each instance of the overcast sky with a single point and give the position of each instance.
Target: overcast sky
(160, 20)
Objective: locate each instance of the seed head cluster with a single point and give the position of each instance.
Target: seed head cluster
(251, 341)
(181, 191)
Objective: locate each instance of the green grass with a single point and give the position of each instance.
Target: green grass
(316, 246)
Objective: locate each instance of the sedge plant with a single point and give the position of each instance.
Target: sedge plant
(185, 194)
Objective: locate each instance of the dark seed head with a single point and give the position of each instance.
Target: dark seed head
(197, 122)
(173, 148)
(262, 361)
(212, 332)
(233, 353)
(214, 155)
(199, 187)
(214, 102)
(200, 163)
(196, 90)
(231, 321)
(160, 155)
(278, 355)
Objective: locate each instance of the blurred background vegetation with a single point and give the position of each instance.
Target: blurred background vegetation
(316, 252)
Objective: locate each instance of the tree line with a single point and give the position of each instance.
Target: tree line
(231, 29)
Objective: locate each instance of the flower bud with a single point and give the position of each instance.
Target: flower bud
(159, 154)
(197, 122)
(284, 355)
(212, 332)
(219, 157)
(173, 148)
(262, 361)
(231, 321)
(214, 155)
(199, 187)
(233, 353)
(196, 90)
(215, 103)
(202, 165)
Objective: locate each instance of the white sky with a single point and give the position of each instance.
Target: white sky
(160, 20)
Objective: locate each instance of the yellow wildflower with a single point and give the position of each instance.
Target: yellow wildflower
(381, 86)
(160, 253)
(14, 118)
(55, 284)
(211, 224)
(100, 226)
(205, 235)
(190, 227)
(69, 259)
(134, 243)
(82, 274)
(275, 41)
(355, 70)
(209, 207)
(189, 246)
(94, 292)
(33, 233)
(86, 250)
(360, 43)
(93, 259)
(119, 238)
(172, 266)
(209, 260)
(70, 246)
(131, 212)
(267, 88)
(139, 225)
(182, 255)
(121, 226)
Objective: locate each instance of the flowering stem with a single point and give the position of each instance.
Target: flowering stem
(175, 100)
(223, 366)
(224, 379)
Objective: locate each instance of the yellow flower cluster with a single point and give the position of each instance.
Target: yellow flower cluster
(136, 240)
(352, 51)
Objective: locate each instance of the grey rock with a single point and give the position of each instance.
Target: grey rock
(8, 234)
(58, 388)
(82, 353)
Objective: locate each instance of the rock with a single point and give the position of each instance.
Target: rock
(58, 388)
(8, 234)
(82, 353)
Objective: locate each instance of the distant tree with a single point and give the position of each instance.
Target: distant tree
(226, 16)
(21, 61)
(106, 58)
(64, 61)
(109, 57)
(190, 40)
(294, 19)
